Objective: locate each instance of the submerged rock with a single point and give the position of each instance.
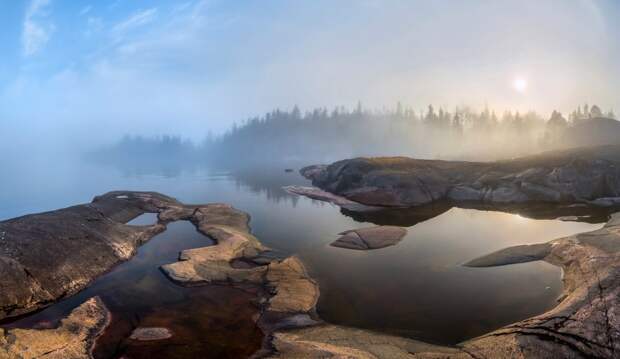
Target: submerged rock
(73, 338)
(370, 238)
(150, 334)
(584, 175)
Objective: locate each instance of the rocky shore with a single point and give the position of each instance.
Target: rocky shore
(584, 323)
(577, 176)
(48, 256)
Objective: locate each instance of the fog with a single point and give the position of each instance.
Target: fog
(76, 75)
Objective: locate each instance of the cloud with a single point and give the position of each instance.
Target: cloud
(85, 10)
(36, 29)
(136, 20)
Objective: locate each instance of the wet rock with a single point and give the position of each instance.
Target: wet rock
(295, 291)
(150, 334)
(74, 337)
(229, 228)
(51, 255)
(584, 175)
(370, 238)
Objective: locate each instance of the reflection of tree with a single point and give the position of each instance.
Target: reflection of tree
(268, 181)
(136, 167)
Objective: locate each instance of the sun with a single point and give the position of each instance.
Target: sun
(519, 84)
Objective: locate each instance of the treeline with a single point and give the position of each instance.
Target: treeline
(321, 135)
(324, 136)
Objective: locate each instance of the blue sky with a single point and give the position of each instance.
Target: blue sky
(134, 66)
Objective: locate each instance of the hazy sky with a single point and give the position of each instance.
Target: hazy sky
(94, 70)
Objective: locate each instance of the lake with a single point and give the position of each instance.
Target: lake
(417, 288)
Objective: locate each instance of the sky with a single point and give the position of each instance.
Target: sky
(85, 71)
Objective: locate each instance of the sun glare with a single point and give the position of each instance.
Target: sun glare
(520, 84)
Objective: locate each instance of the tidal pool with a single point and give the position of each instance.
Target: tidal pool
(417, 288)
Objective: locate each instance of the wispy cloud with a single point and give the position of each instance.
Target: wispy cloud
(36, 29)
(134, 21)
(85, 10)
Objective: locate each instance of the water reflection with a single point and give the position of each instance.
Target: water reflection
(417, 288)
(210, 320)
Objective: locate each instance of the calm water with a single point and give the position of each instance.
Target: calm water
(417, 288)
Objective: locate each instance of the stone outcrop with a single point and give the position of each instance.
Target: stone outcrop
(584, 175)
(586, 323)
(51, 255)
(73, 338)
(370, 237)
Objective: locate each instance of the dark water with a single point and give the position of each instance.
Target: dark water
(215, 320)
(417, 288)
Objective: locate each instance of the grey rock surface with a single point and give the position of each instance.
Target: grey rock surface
(582, 175)
(370, 237)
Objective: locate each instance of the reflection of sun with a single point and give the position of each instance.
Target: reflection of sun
(520, 84)
(519, 218)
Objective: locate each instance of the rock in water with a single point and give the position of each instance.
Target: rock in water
(583, 175)
(150, 333)
(370, 238)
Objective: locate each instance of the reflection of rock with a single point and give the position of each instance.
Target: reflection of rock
(370, 238)
(74, 337)
(586, 323)
(150, 333)
(51, 255)
(320, 195)
(590, 175)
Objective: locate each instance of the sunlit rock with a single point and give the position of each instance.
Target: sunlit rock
(74, 338)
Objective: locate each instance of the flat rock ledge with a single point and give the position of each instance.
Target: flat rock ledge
(583, 175)
(370, 237)
(73, 338)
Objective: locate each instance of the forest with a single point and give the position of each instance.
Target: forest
(321, 135)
